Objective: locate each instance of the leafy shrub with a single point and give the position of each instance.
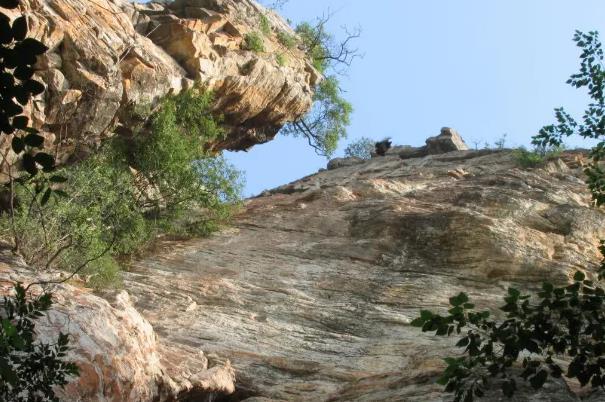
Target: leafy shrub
(116, 202)
(254, 42)
(265, 25)
(328, 119)
(286, 40)
(538, 157)
(566, 321)
(360, 148)
(30, 369)
(315, 41)
(281, 59)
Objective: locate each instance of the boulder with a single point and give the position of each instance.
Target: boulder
(449, 140)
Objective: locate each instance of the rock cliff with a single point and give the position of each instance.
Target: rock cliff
(310, 295)
(107, 56)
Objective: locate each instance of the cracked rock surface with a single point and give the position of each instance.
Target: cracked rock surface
(310, 294)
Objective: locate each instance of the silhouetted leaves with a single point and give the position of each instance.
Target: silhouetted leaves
(29, 367)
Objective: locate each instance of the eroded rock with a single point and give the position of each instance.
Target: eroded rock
(448, 141)
(115, 348)
(311, 293)
(107, 55)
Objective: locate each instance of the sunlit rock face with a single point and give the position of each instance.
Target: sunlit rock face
(108, 56)
(310, 295)
(115, 348)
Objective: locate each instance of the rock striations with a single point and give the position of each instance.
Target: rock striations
(310, 295)
(107, 56)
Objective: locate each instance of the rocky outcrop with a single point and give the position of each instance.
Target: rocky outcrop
(447, 141)
(342, 162)
(109, 56)
(115, 348)
(311, 293)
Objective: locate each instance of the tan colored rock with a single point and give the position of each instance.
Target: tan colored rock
(449, 140)
(311, 293)
(116, 53)
(115, 348)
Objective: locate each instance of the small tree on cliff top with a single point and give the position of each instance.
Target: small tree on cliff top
(567, 321)
(329, 117)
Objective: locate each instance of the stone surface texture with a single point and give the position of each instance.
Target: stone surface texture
(108, 56)
(310, 294)
(115, 348)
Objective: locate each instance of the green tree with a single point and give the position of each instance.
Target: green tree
(330, 114)
(557, 322)
(361, 148)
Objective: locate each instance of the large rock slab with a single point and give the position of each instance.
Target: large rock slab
(115, 348)
(311, 293)
(108, 56)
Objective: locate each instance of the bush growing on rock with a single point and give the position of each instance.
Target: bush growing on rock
(558, 322)
(361, 148)
(114, 203)
(265, 25)
(286, 40)
(537, 157)
(29, 369)
(254, 42)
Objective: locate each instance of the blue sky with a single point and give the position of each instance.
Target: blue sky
(483, 67)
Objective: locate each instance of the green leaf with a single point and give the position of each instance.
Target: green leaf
(20, 122)
(579, 276)
(34, 140)
(46, 160)
(20, 28)
(61, 193)
(9, 4)
(34, 87)
(458, 300)
(46, 197)
(18, 145)
(463, 342)
(29, 164)
(547, 287)
(58, 179)
(514, 293)
(539, 379)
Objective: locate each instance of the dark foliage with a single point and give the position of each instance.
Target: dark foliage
(29, 369)
(558, 322)
(381, 147)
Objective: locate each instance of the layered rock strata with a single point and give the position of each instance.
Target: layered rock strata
(311, 293)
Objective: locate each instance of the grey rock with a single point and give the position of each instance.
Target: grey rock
(343, 162)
